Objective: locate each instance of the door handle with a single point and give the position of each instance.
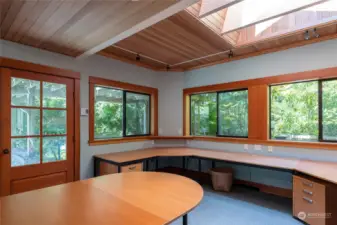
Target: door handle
(5, 151)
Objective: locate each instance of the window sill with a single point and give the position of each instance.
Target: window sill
(119, 140)
(295, 144)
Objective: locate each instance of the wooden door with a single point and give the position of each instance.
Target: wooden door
(36, 132)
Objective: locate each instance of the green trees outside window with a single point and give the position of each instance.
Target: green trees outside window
(121, 113)
(220, 114)
(304, 111)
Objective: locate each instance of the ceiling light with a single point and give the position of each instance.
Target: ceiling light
(316, 35)
(306, 35)
(230, 54)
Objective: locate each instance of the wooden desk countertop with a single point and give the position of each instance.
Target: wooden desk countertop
(119, 199)
(322, 170)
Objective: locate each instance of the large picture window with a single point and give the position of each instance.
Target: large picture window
(219, 114)
(120, 110)
(304, 111)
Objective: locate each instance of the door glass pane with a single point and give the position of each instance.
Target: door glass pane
(54, 122)
(329, 109)
(137, 114)
(108, 113)
(25, 122)
(25, 151)
(25, 92)
(54, 95)
(54, 149)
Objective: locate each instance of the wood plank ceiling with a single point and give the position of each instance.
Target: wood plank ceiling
(181, 42)
(72, 27)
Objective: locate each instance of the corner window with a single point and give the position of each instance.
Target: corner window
(222, 114)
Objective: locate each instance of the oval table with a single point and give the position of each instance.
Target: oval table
(118, 199)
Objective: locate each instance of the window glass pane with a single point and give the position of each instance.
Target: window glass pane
(25, 92)
(54, 149)
(54, 121)
(137, 114)
(329, 109)
(25, 122)
(203, 114)
(25, 151)
(54, 95)
(294, 111)
(108, 113)
(233, 113)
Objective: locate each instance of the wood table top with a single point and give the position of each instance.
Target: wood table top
(322, 170)
(118, 199)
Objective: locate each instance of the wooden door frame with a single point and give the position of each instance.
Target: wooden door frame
(37, 68)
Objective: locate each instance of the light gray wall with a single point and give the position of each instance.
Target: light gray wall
(311, 57)
(93, 66)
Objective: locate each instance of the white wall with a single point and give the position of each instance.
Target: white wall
(93, 66)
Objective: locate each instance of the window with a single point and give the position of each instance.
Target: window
(120, 110)
(233, 113)
(304, 111)
(219, 114)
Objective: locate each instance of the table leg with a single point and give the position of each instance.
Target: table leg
(185, 219)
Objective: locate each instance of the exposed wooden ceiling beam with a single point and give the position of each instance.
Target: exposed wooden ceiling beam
(140, 25)
(209, 7)
(241, 15)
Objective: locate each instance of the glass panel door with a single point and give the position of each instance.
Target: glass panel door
(38, 122)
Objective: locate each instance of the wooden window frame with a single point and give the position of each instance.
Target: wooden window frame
(133, 88)
(258, 114)
(217, 112)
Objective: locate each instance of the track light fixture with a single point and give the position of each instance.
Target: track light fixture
(138, 57)
(316, 35)
(306, 35)
(230, 54)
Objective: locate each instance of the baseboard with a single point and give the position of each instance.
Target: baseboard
(204, 178)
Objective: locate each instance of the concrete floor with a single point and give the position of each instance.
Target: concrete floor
(242, 206)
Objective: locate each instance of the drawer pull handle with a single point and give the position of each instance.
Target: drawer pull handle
(307, 192)
(307, 184)
(132, 167)
(308, 200)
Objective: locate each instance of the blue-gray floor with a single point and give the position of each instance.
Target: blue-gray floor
(242, 206)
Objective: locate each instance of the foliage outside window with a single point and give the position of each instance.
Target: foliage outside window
(219, 114)
(233, 114)
(120, 113)
(296, 113)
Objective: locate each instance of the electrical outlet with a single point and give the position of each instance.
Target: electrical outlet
(153, 142)
(270, 149)
(187, 142)
(257, 147)
(245, 147)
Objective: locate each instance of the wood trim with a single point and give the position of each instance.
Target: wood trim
(119, 140)
(287, 193)
(37, 68)
(294, 144)
(77, 126)
(258, 113)
(270, 50)
(124, 86)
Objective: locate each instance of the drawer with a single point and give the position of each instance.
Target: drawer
(132, 168)
(309, 198)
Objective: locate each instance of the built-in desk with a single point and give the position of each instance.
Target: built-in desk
(314, 183)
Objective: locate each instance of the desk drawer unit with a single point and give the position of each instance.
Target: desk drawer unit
(106, 168)
(308, 201)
